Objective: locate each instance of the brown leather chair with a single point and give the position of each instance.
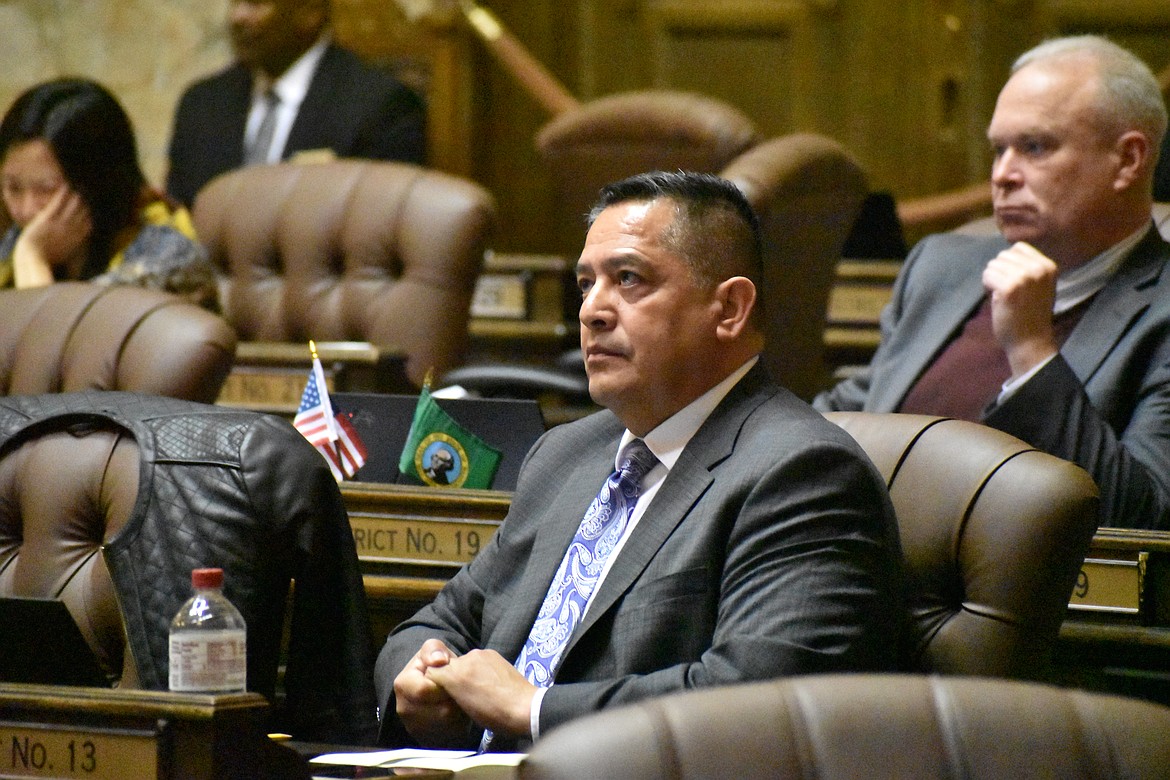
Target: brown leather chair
(76, 336)
(349, 250)
(993, 534)
(616, 136)
(807, 190)
(110, 499)
(843, 727)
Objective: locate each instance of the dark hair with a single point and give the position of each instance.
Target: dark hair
(715, 230)
(91, 137)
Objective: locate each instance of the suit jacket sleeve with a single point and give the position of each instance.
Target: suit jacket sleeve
(1053, 413)
(208, 134)
(397, 130)
(850, 395)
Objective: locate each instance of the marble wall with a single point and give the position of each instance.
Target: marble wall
(144, 51)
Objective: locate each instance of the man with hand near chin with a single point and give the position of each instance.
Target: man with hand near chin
(1057, 331)
(752, 538)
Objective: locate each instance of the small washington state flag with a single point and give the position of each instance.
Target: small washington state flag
(442, 453)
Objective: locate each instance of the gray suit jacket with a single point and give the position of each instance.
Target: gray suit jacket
(1103, 403)
(770, 549)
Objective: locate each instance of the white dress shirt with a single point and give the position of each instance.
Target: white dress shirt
(291, 88)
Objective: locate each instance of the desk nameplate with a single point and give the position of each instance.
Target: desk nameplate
(77, 752)
(416, 540)
(1112, 585)
(501, 295)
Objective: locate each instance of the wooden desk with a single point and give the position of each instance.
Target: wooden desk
(270, 376)
(108, 734)
(410, 540)
(519, 312)
(1117, 634)
(860, 292)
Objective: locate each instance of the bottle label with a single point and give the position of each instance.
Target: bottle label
(208, 661)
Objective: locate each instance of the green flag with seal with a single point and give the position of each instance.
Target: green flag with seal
(442, 453)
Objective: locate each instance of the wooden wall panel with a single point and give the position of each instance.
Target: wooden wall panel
(1141, 25)
(908, 86)
(757, 56)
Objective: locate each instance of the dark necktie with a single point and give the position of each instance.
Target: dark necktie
(257, 151)
(572, 587)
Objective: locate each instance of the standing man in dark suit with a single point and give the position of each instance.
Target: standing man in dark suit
(317, 98)
(1058, 330)
(760, 542)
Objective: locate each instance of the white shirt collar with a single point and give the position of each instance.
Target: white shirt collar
(670, 437)
(1083, 282)
(293, 84)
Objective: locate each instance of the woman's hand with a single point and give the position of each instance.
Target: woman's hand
(56, 236)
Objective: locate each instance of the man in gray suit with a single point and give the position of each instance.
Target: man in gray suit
(1058, 330)
(761, 543)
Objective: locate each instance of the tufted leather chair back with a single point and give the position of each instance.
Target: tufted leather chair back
(62, 499)
(993, 533)
(109, 500)
(75, 336)
(807, 191)
(619, 135)
(843, 727)
(349, 250)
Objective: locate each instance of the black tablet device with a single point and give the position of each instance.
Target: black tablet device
(42, 644)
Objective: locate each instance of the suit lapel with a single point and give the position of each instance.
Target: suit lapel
(929, 332)
(682, 488)
(1116, 306)
(232, 118)
(319, 105)
(558, 524)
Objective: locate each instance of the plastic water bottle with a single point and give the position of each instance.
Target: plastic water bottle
(208, 640)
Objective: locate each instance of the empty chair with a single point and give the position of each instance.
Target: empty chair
(993, 533)
(349, 250)
(616, 136)
(108, 500)
(843, 727)
(76, 336)
(807, 190)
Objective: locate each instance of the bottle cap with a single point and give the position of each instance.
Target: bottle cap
(206, 578)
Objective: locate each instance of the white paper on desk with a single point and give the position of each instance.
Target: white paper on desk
(482, 766)
(387, 757)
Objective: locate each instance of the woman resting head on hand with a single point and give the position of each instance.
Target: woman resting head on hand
(80, 205)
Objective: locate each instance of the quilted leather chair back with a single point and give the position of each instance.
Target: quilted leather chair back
(807, 191)
(843, 727)
(76, 336)
(993, 533)
(61, 506)
(109, 500)
(619, 135)
(349, 250)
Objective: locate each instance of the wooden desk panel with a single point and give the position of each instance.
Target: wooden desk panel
(66, 732)
(411, 540)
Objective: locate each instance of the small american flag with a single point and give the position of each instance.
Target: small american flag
(332, 434)
(348, 453)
